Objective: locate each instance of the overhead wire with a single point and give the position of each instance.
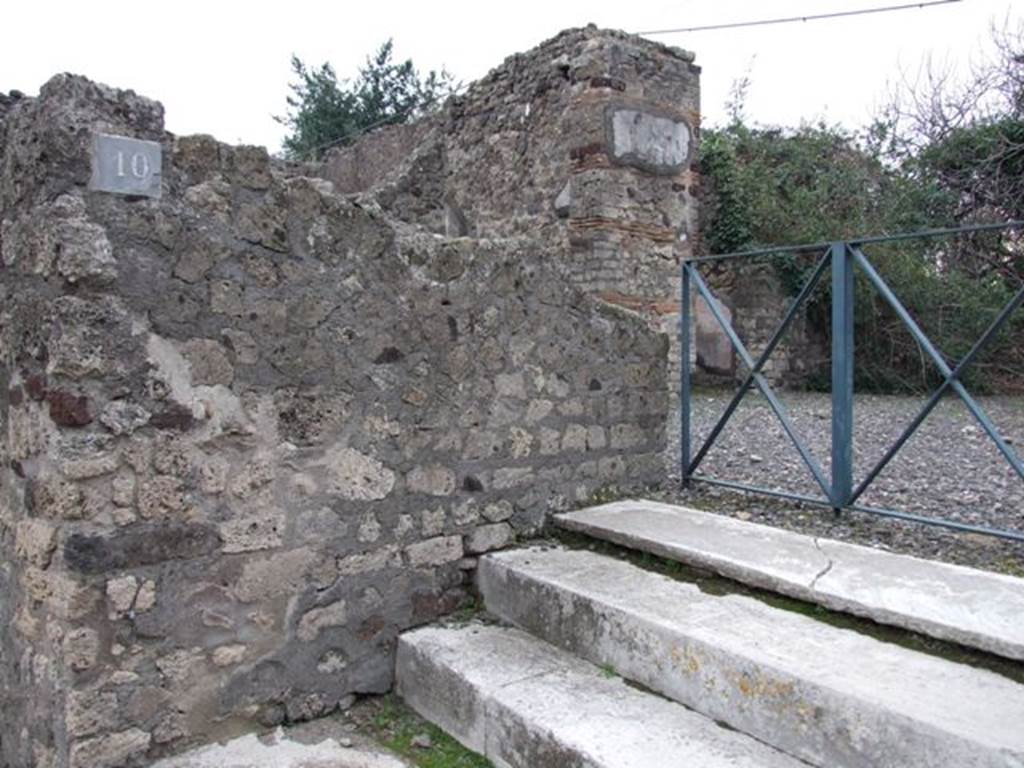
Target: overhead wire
(313, 152)
(793, 19)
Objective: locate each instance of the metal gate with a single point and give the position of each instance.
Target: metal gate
(840, 258)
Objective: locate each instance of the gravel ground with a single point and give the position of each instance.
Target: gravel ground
(950, 469)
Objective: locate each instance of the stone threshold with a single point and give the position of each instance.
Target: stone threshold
(975, 608)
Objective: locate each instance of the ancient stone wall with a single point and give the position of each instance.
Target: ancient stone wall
(759, 302)
(253, 429)
(754, 298)
(588, 141)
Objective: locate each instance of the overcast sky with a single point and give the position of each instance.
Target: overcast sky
(223, 68)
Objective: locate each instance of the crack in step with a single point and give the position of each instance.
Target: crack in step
(825, 570)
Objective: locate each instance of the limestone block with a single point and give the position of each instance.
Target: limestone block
(93, 337)
(121, 592)
(436, 551)
(369, 529)
(433, 479)
(212, 198)
(510, 385)
(550, 440)
(181, 666)
(69, 599)
(332, 663)
(368, 562)
(81, 648)
(83, 469)
(226, 298)
(90, 711)
(432, 521)
(44, 756)
(243, 344)
(556, 386)
(123, 489)
(263, 223)
(571, 407)
(280, 573)
(193, 264)
(596, 439)
(611, 468)
(538, 409)
(213, 474)
(353, 475)
(310, 311)
(465, 513)
(160, 497)
(30, 431)
(626, 436)
(574, 438)
(405, 528)
(36, 583)
(251, 165)
(228, 655)
(317, 619)
(209, 363)
(85, 253)
(498, 511)
(261, 529)
(520, 443)
(146, 702)
(34, 541)
(58, 500)
(488, 537)
(146, 598)
(480, 444)
(114, 750)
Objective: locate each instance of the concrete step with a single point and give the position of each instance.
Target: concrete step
(526, 704)
(830, 696)
(975, 608)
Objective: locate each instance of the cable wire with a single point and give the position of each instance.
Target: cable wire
(791, 19)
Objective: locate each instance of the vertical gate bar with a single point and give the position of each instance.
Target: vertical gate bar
(684, 376)
(842, 375)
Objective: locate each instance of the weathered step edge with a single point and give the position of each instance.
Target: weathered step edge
(525, 704)
(950, 602)
(826, 695)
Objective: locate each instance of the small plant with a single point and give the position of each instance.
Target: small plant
(402, 731)
(607, 670)
(468, 610)
(605, 495)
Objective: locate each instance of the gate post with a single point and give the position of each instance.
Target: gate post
(842, 375)
(684, 376)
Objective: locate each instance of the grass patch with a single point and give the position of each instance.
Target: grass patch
(398, 728)
(471, 608)
(713, 584)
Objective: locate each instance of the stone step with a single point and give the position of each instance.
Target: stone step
(975, 608)
(830, 696)
(526, 704)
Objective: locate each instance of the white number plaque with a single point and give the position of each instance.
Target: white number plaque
(125, 166)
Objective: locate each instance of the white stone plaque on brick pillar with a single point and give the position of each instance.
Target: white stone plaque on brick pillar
(125, 166)
(651, 142)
